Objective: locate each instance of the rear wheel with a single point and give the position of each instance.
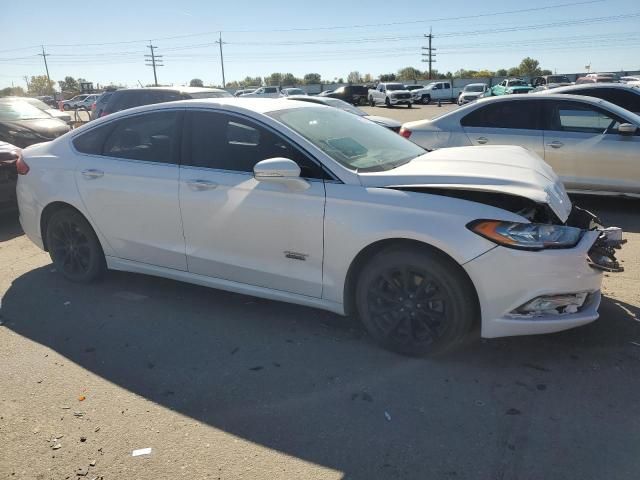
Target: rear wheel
(387, 102)
(415, 302)
(371, 102)
(409, 105)
(74, 247)
(66, 107)
(426, 99)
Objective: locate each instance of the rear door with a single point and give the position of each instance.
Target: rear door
(510, 122)
(583, 146)
(127, 176)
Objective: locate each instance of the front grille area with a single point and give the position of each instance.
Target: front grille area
(402, 96)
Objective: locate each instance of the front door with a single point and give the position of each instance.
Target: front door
(239, 229)
(508, 122)
(127, 175)
(583, 146)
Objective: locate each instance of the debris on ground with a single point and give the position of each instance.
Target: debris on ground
(82, 398)
(387, 416)
(141, 451)
(56, 446)
(83, 439)
(67, 303)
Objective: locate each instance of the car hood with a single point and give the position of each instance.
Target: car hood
(49, 128)
(501, 169)
(384, 121)
(391, 92)
(519, 88)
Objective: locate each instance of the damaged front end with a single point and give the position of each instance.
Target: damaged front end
(601, 256)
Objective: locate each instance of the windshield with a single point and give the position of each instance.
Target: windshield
(19, 110)
(295, 91)
(395, 86)
(354, 142)
(518, 83)
(347, 107)
(37, 103)
(474, 88)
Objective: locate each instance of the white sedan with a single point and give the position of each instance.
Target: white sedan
(312, 205)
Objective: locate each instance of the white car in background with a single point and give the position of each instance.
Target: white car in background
(593, 145)
(309, 204)
(287, 92)
(471, 92)
(263, 92)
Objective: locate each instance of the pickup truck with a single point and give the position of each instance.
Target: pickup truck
(436, 91)
(510, 86)
(390, 94)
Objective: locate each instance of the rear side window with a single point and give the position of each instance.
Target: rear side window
(514, 115)
(152, 137)
(92, 142)
(618, 96)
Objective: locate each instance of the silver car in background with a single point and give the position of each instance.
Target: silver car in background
(593, 145)
(471, 92)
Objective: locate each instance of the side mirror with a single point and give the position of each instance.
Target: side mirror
(627, 129)
(279, 170)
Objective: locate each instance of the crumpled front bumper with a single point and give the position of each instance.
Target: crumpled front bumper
(506, 279)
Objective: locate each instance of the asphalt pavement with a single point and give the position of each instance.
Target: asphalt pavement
(220, 385)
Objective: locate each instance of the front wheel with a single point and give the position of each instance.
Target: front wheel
(371, 102)
(426, 99)
(74, 247)
(416, 302)
(409, 105)
(66, 107)
(387, 102)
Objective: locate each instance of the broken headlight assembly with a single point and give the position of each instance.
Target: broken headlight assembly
(527, 236)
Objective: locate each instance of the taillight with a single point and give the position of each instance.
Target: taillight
(93, 106)
(21, 166)
(104, 113)
(404, 132)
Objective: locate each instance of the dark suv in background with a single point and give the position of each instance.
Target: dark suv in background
(354, 94)
(135, 97)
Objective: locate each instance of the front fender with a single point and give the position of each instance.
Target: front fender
(356, 217)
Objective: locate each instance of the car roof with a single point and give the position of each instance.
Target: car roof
(172, 89)
(619, 86)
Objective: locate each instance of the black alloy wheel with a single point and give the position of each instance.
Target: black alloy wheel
(74, 247)
(415, 302)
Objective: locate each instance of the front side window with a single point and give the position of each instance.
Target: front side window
(354, 142)
(508, 114)
(151, 137)
(271, 90)
(583, 118)
(226, 142)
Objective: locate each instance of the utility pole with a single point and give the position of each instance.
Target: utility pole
(429, 54)
(26, 79)
(46, 67)
(220, 42)
(156, 61)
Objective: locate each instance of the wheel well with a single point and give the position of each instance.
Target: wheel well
(47, 213)
(373, 249)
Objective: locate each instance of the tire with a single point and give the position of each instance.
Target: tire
(387, 102)
(426, 99)
(371, 102)
(74, 247)
(401, 324)
(409, 105)
(66, 107)
(362, 101)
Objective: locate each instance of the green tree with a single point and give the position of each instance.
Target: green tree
(69, 84)
(252, 81)
(274, 79)
(483, 73)
(290, 79)
(341, 80)
(39, 85)
(12, 92)
(310, 78)
(196, 82)
(354, 77)
(502, 72)
(546, 72)
(409, 73)
(367, 78)
(529, 67)
(513, 72)
(387, 77)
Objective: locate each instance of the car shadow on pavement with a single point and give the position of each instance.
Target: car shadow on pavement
(312, 385)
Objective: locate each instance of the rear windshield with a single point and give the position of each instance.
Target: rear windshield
(474, 88)
(209, 94)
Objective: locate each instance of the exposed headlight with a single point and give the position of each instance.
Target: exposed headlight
(526, 236)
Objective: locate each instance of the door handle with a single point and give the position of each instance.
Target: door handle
(555, 144)
(92, 173)
(199, 185)
(482, 140)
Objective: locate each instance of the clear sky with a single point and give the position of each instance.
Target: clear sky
(327, 37)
